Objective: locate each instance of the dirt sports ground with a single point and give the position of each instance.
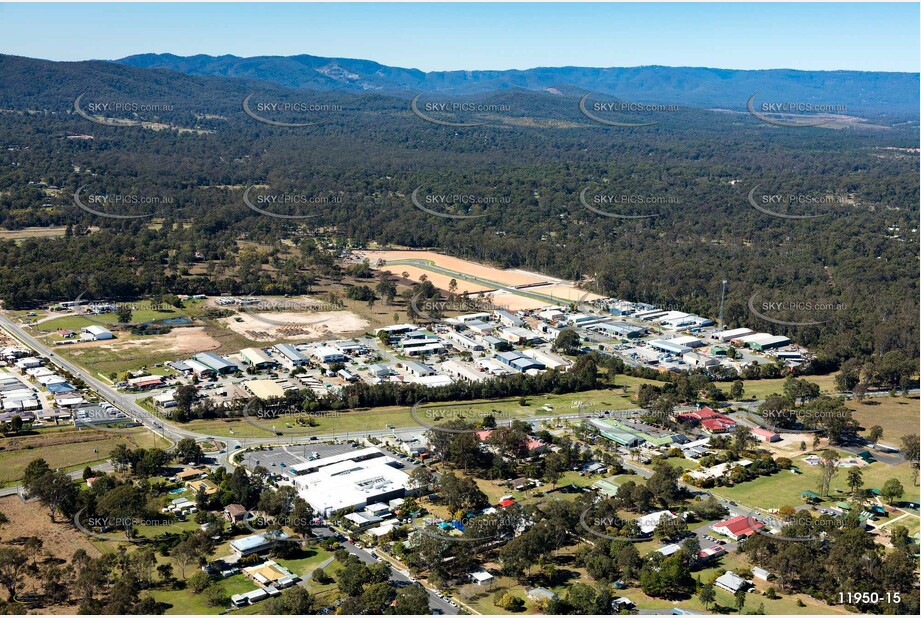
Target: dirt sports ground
(536, 290)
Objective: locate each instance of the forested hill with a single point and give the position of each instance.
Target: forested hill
(858, 91)
(531, 154)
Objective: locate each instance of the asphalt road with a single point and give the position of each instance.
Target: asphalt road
(398, 577)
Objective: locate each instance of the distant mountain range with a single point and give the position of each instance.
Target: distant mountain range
(878, 93)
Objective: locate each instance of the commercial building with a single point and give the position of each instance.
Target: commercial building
(352, 483)
(710, 420)
(618, 433)
(738, 527)
(142, 383)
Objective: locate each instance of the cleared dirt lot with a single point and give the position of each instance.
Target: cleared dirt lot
(505, 277)
(274, 326)
(438, 280)
(552, 290)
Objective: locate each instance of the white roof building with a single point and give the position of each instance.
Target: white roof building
(731, 582)
(97, 333)
(648, 523)
(728, 335)
(352, 484)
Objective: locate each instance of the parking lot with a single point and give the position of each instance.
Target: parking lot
(279, 458)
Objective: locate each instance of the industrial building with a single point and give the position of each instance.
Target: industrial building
(217, 363)
(418, 369)
(257, 358)
(460, 371)
(666, 345)
(509, 319)
(729, 335)
(549, 360)
(463, 343)
(519, 361)
(618, 329)
(328, 354)
(264, 389)
(96, 333)
(290, 355)
(699, 360)
(763, 342)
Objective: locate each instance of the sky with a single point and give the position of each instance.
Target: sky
(442, 36)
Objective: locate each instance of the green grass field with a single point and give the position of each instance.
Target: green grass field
(145, 312)
(898, 416)
(784, 487)
(67, 448)
(360, 421)
(759, 389)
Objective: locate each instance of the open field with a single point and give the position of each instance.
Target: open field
(141, 311)
(759, 389)
(59, 540)
(898, 416)
(54, 231)
(287, 325)
(785, 487)
(359, 421)
(128, 353)
(69, 448)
